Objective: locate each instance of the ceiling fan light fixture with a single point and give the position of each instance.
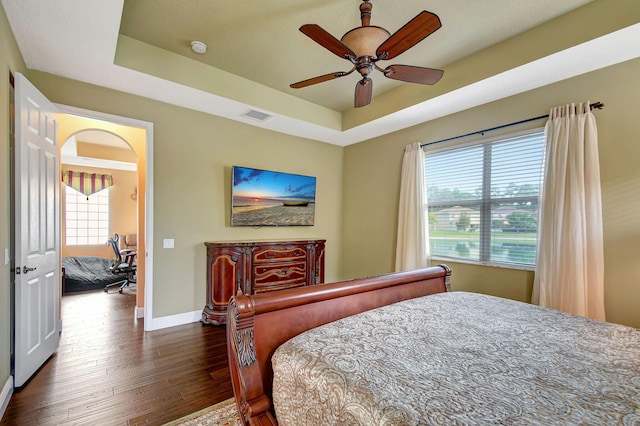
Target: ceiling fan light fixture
(365, 40)
(198, 47)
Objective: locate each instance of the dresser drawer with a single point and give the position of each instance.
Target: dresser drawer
(282, 275)
(279, 254)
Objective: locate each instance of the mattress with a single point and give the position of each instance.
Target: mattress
(459, 358)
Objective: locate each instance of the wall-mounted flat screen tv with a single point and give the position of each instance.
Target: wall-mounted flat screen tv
(267, 198)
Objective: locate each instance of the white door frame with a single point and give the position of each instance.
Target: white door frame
(148, 228)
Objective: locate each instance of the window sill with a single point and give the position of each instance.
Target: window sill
(480, 263)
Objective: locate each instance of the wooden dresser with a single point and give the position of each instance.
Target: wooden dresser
(257, 267)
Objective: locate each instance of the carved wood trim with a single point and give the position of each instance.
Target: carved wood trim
(246, 347)
(242, 333)
(447, 278)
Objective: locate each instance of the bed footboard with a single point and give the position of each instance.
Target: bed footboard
(258, 324)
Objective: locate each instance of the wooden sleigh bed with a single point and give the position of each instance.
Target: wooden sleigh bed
(375, 351)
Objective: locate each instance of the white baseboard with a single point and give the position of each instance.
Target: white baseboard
(5, 395)
(173, 320)
(138, 313)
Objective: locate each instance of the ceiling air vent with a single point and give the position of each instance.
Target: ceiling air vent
(257, 115)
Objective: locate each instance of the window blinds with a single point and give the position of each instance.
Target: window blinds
(483, 199)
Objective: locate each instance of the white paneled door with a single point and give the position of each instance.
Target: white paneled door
(37, 257)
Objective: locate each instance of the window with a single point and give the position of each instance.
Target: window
(87, 218)
(483, 200)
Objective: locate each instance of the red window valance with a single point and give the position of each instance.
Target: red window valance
(87, 183)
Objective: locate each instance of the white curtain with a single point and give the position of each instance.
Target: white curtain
(413, 233)
(570, 266)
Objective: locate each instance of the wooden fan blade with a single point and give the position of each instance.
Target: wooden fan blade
(326, 40)
(409, 35)
(413, 74)
(364, 89)
(319, 79)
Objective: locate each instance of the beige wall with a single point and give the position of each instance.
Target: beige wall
(372, 181)
(92, 150)
(122, 211)
(10, 62)
(193, 155)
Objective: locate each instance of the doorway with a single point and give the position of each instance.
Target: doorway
(139, 136)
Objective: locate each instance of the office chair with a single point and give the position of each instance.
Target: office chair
(128, 241)
(124, 263)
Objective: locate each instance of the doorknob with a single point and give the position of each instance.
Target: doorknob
(25, 269)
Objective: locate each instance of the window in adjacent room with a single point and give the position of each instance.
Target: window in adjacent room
(87, 217)
(483, 199)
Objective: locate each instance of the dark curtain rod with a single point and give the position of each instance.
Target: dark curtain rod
(595, 105)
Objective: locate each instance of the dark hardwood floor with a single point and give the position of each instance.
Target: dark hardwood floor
(108, 371)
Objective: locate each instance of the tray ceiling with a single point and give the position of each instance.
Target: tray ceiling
(255, 51)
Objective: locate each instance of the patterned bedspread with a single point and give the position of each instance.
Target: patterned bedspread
(459, 359)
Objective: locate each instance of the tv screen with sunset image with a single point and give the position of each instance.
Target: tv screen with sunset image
(268, 198)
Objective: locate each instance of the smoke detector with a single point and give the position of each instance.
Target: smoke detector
(198, 46)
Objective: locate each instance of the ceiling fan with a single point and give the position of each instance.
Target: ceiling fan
(365, 45)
